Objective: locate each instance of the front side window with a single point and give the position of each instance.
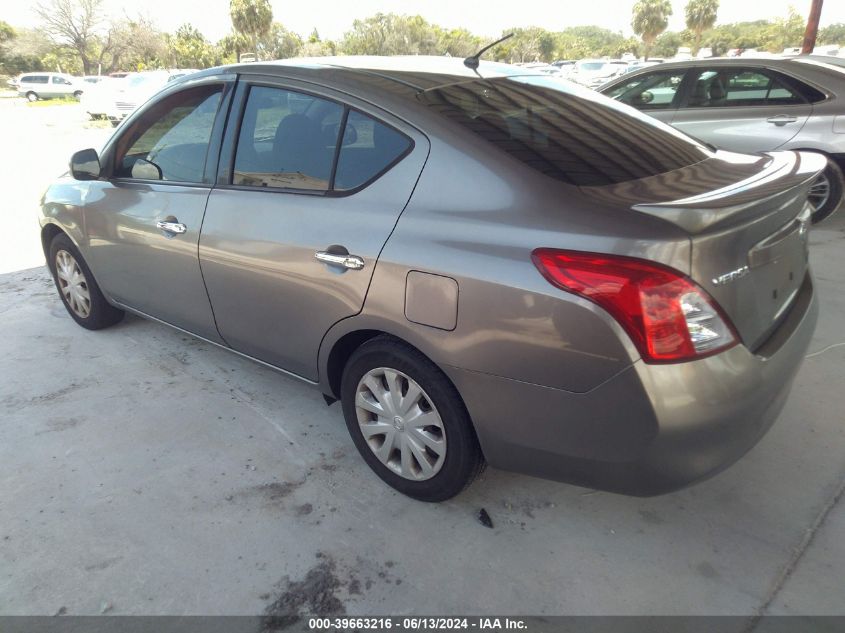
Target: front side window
(291, 140)
(565, 132)
(170, 140)
(61, 80)
(649, 92)
(719, 88)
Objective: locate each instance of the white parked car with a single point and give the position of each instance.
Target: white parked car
(35, 86)
(123, 96)
(98, 98)
(596, 72)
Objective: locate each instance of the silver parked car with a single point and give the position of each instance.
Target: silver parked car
(35, 86)
(751, 105)
(482, 266)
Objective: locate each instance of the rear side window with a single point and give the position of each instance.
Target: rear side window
(292, 140)
(287, 140)
(567, 133)
(724, 87)
(368, 149)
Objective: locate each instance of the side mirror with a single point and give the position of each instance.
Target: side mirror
(142, 169)
(645, 97)
(85, 165)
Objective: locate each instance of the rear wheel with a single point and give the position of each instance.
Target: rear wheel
(77, 287)
(31, 96)
(77, 94)
(408, 421)
(826, 193)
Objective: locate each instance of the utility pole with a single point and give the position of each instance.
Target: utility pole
(812, 27)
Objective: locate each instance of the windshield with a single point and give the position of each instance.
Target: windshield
(568, 133)
(591, 66)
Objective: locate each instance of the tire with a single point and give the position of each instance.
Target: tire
(31, 97)
(457, 460)
(77, 94)
(95, 313)
(832, 176)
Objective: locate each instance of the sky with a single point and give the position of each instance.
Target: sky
(333, 17)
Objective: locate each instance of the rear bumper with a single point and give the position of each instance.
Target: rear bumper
(650, 429)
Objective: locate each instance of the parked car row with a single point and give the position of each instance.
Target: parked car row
(112, 97)
(482, 264)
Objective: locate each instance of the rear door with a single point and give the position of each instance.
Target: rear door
(311, 185)
(742, 109)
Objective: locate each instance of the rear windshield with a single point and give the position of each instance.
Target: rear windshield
(568, 133)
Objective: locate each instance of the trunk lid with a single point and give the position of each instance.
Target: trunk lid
(748, 221)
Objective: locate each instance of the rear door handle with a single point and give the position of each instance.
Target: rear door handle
(175, 228)
(352, 262)
(782, 119)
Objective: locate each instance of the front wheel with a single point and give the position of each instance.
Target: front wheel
(77, 287)
(408, 421)
(826, 193)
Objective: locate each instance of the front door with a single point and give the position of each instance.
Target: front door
(292, 233)
(144, 222)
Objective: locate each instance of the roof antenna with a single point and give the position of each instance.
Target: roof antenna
(473, 61)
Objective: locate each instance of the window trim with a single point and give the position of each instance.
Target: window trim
(109, 157)
(229, 149)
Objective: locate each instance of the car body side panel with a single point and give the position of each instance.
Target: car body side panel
(742, 129)
(272, 298)
(478, 223)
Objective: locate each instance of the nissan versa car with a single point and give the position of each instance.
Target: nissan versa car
(483, 265)
(751, 105)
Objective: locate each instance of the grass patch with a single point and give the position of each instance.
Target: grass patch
(53, 102)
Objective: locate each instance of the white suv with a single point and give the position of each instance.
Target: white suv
(35, 86)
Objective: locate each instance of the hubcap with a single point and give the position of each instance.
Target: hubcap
(819, 192)
(72, 283)
(400, 424)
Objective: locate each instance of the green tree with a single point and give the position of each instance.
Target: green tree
(278, 43)
(188, 48)
(251, 18)
(390, 34)
(784, 32)
(700, 16)
(832, 34)
(74, 25)
(650, 19)
(667, 44)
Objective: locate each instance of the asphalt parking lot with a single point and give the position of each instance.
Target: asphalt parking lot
(144, 472)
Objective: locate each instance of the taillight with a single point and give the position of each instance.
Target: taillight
(669, 317)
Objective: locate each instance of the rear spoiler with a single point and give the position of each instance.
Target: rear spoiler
(783, 178)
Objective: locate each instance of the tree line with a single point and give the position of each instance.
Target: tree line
(77, 36)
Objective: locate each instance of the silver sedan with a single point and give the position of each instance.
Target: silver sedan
(751, 105)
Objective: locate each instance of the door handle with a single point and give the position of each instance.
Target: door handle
(352, 262)
(782, 119)
(176, 228)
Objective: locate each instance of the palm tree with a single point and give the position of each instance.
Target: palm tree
(651, 17)
(251, 18)
(701, 15)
